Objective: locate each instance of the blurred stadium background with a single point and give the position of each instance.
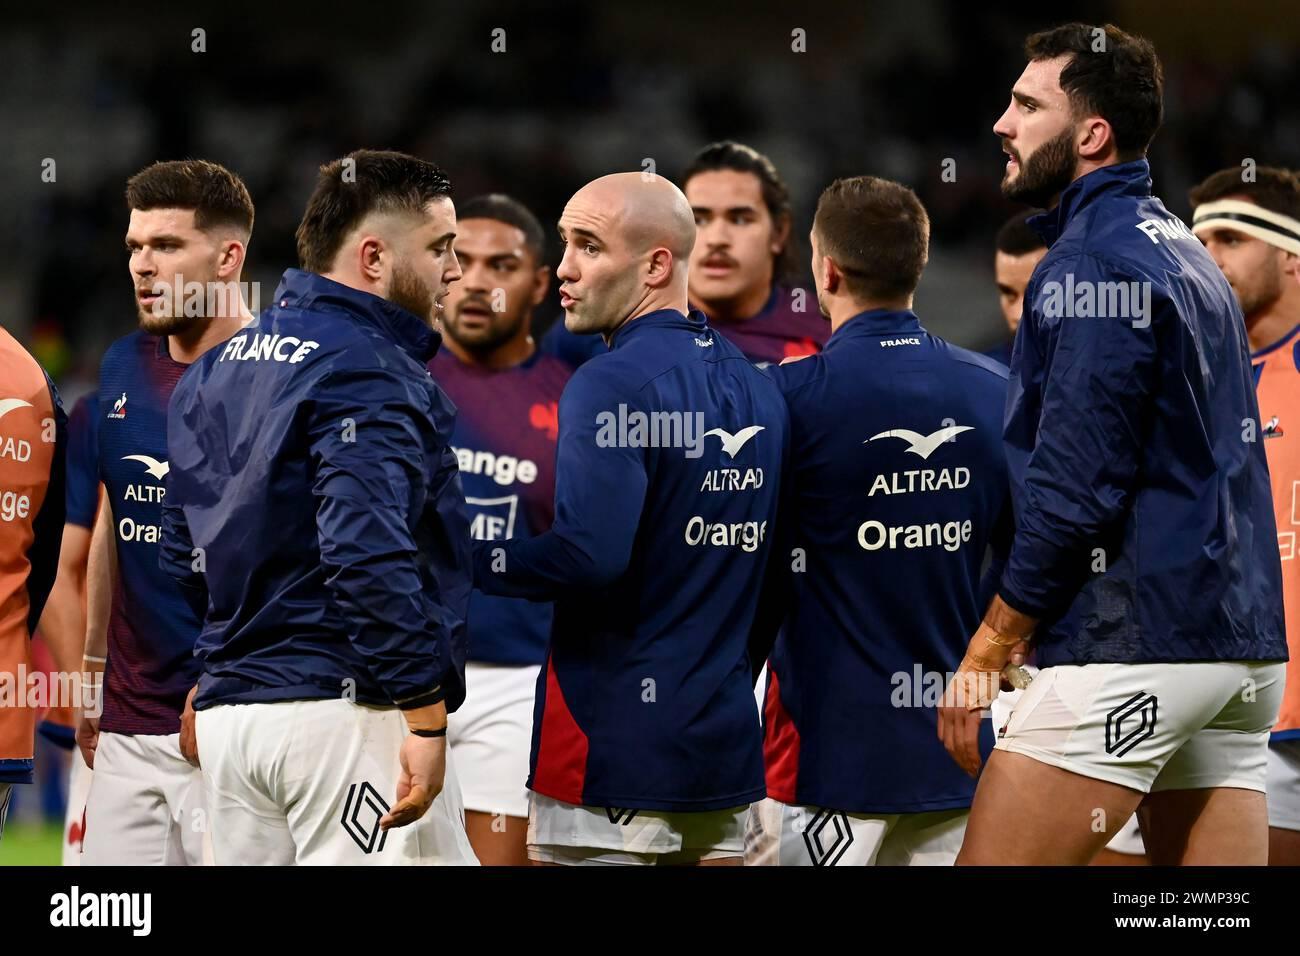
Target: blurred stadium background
(892, 87)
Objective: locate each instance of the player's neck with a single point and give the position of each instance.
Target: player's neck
(1268, 326)
(842, 312)
(1083, 168)
(188, 346)
(744, 306)
(506, 355)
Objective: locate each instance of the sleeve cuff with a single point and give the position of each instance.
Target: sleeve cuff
(424, 699)
(1016, 603)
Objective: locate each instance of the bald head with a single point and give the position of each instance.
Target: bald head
(628, 240)
(646, 211)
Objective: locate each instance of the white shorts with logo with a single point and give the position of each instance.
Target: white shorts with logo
(1284, 784)
(307, 782)
(74, 819)
(145, 805)
(779, 834)
(565, 833)
(1128, 839)
(1151, 726)
(492, 734)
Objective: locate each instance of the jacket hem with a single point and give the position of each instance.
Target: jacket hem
(702, 805)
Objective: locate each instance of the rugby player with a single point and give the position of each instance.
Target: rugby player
(33, 449)
(507, 396)
(314, 509)
(1157, 620)
(186, 243)
(891, 587)
(1252, 229)
(646, 747)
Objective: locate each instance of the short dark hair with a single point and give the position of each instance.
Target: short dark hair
(351, 188)
(1273, 188)
(877, 232)
(728, 154)
(217, 196)
(512, 212)
(1015, 238)
(1121, 80)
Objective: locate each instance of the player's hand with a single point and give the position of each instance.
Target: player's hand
(189, 738)
(424, 762)
(88, 739)
(1017, 659)
(969, 694)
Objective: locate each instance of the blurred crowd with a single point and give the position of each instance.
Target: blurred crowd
(535, 101)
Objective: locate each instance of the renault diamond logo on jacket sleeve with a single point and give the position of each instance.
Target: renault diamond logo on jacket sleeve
(1130, 723)
(923, 445)
(157, 469)
(731, 444)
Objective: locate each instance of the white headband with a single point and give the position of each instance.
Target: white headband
(1272, 227)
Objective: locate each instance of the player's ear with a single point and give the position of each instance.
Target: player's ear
(541, 284)
(231, 261)
(831, 275)
(1098, 139)
(1291, 265)
(370, 254)
(660, 267)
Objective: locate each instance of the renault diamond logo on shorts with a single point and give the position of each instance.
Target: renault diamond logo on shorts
(731, 444)
(619, 817)
(827, 837)
(364, 800)
(1130, 723)
(923, 445)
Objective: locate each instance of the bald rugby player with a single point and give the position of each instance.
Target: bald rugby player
(668, 467)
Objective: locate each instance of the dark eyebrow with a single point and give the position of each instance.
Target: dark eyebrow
(1024, 99)
(586, 234)
(155, 240)
(730, 209)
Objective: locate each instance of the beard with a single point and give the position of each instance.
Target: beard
(1045, 174)
(1266, 290)
(165, 324)
(166, 316)
(411, 293)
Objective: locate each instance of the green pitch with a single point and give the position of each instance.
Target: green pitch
(27, 845)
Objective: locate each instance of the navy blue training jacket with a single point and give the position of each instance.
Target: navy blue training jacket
(668, 470)
(1144, 518)
(314, 493)
(896, 498)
